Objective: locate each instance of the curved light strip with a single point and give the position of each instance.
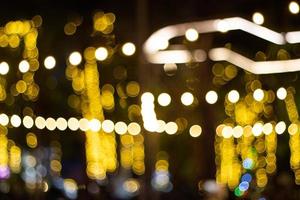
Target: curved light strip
(153, 47)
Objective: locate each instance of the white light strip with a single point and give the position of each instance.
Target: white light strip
(260, 67)
(159, 40)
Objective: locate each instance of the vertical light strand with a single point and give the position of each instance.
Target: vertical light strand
(100, 146)
(294, 138)
(4, 169)
(271, 146)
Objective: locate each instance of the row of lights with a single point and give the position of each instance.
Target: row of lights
(256, 130)
(95, 125)
(24, 65)
(101, 53)
(75, 58)
(211, 97)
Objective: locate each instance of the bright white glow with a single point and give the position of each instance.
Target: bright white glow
(147, 97)
(258, 94)
(237, 131)
(160, 126)
(164, 99)
(15, 121)
(28, 122)
(84, 124)
(134, 128)
(267, 128)
(195, 131)
(281, 93)
(4, 120)
(187, 98)
(128, 49)
(120, 128)
(211, 97)
(257, 129)
(50, 124)
(233, 96)
(108, 126)
(61, 124)
(94, 125)
(258, 18)
(24, 66)
(49, 62)
(75, 58)
(191, 35)
(4, 68)
(40, 122)
(73, 124)
(294, 7)
(101, 53)
(280, 127)
(227, 131)
(171, 128)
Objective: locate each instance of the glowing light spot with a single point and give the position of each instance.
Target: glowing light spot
(121, 128)
(258, 95)
(191, 35)
(281, 93)
(227, 131)
(267, 128)
(94, 125)
(128, 49)
(187, 98)
(171, 128)
(238, 131)
(84, 124)
(164, 99)
(257, 129)
(293, 129)
(280, 127)
(108, 126)
(147, 97)
(40, 122)
(233, 96)
(50, 124)
(134, 128)
(4, 68)
(258, 18)
(75, 58)
(160, 126)
(61, 124)
(248, 163)
(211, 97)
(73, 124)
(15, 121)
(49, 62)
(243, 186)
(101, 53)
(4, 120)
(195, 131)
(294, 7)
(24, 66)
(28, 122)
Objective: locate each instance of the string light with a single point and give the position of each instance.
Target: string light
(28, 122)
(294, 7)
(187, 98)
(211, 97)
(50, 62)
(101, 53)
(4, 68)
(75, 58)
(191, 35)
(233, 96)
(128, 49)
(281, 93)
(120, 128)
(280, 127)
(24, 66)
(164, 99)
(195, 131)
(15, 121)
(258, 18)
(258, 95)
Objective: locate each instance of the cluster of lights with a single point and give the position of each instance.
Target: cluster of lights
(256, 130)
